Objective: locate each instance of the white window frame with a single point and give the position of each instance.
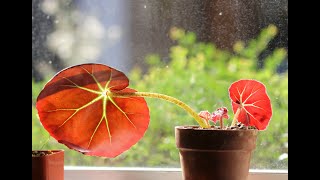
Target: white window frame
(136, 173)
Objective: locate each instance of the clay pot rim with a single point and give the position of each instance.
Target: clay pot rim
(55, 151)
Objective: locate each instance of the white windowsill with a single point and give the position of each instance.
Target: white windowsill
(122, 173)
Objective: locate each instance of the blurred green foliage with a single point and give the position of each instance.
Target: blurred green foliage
(199, 74)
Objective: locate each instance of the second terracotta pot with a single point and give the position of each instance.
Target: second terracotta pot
(49, 166)
(212, 154)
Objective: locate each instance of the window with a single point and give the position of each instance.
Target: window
(147, 38)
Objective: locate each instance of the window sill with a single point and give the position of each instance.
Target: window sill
(120, 173)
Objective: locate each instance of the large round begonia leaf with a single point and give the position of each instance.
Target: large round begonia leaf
(76, 110)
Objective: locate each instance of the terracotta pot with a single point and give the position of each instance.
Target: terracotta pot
(49, 166)
(208, 154)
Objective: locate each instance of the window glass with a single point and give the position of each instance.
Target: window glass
(191, 50)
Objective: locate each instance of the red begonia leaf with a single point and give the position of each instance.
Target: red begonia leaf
(75, 109)
(254, 103)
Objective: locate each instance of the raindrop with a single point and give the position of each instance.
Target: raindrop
(220, 13)
(145, 6)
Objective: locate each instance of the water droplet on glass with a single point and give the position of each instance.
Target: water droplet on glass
(283, 156)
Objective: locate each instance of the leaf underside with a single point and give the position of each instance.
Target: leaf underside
(75, 109)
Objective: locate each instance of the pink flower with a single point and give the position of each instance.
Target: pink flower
(219, 114)
(205, 115)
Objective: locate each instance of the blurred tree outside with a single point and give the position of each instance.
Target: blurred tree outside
(222, 22)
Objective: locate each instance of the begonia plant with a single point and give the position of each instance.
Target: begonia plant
(90, 108)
